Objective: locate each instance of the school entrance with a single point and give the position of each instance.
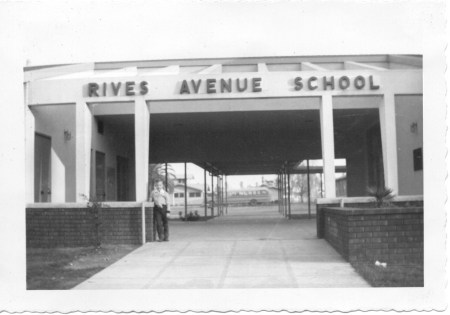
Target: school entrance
(277, 138)
(95, 130)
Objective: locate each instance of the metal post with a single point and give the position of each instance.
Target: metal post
(226, 195)
(166, 184)
(218, 195)
(223, 197)
(185, 192)
(289, 193)
(204, 193)
(212, 191)
(279, 194)
(309, 192)
(285, 191)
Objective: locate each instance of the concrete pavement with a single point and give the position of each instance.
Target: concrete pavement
(250, 247)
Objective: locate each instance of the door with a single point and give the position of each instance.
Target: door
(42, 169)
(122, 178)
(100, 185)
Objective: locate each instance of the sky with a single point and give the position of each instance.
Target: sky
(91, 31)
(234, 182)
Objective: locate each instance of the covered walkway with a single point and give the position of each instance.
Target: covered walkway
(248, 248)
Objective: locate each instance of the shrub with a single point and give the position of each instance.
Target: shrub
(381, 195)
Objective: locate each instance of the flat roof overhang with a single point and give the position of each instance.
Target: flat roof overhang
(248, 142)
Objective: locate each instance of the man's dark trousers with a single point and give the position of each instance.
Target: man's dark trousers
(162, 226)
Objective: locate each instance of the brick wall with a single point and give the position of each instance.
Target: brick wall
(73, 227)
(392, 235)
(363, 204)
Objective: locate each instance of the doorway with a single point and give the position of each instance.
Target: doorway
(100, 166)
(122, 178)
(42, 168)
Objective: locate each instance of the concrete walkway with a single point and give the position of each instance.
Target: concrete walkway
(250, 247)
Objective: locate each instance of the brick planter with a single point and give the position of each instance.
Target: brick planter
(67, 226)
(392, 235)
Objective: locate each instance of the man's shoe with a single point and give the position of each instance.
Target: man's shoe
(159, 241)
(166, 240)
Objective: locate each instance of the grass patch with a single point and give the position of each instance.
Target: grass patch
(392, 276)
(64, 268)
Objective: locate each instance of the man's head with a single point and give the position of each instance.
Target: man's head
(159, 184)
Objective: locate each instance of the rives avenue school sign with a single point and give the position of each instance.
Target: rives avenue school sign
(253, 85)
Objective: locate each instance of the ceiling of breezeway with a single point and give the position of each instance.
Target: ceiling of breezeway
(247, 142)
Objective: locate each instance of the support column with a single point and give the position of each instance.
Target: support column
(185, 191)
(284, 191)
(289, 193)
(327, 135)
(29, 154)
(167, 182)
(204, 193)
(226, 195)
(218, 195)
(221, 194)
(389, 141)
(142, 146)
(279, 193)
(83, 139)
(309, 191)
(212, 191)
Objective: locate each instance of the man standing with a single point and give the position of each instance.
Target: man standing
(161, 210)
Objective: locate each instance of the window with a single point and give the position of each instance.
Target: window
(194, 194)
(100, 127)
(258, 192)
(179, 195)
(263, 192)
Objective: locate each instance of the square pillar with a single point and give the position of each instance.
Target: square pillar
(142, 146)
(327, 136)
(83, 143)
(29, 154)
(389, 141)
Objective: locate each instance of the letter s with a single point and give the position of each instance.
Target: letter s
(298, 83)
(144, 88)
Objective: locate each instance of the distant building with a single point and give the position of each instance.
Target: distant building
(195, 194)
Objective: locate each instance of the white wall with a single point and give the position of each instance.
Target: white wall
(409, 109)
(51, 121)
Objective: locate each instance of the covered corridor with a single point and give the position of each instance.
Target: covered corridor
(241, 250)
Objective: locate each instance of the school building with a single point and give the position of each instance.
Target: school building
(92, 129)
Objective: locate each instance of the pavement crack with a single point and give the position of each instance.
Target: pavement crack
(227, 265)
(147, 286)
(288, 265)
